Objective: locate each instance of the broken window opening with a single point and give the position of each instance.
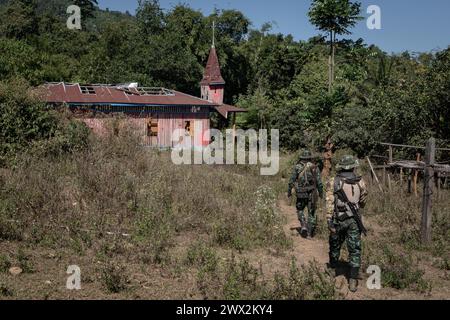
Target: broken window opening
(87, 90)
(152, 127)
(189, 128)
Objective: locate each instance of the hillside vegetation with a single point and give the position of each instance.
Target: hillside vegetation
(398, 98)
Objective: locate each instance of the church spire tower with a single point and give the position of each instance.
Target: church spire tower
(212, 84)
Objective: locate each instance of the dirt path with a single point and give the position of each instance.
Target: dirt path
(306, 250)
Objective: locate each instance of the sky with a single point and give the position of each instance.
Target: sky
(406, 25)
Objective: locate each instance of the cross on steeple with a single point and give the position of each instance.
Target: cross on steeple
(214, 34)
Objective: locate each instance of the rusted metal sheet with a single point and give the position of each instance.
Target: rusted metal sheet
(226, 109)
(106, 94)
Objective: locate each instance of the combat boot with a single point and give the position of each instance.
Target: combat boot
(331, 268)
(304, 232)
(309, 230)
(353, 285)
(303, 229)
(353, 282)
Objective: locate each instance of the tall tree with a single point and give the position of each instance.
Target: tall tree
(334, 17)
(150, 17)
(18, 19)
(87, 7)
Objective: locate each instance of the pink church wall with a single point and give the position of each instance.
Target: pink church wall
(167, 123)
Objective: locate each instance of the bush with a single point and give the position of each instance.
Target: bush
(25, 262)
(306, 283)
(5, 263)
(242, 281)
(23, 119)
(203, 257)
(399, 271)
(5, 291)
(114, 278)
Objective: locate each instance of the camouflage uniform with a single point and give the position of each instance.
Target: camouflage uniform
(342, 225)
(306, 179)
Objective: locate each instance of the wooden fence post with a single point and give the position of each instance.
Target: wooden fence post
(374, 174)
(430, 155)
(438, 186)
(391, 155)
(409, 181)
(416, 175)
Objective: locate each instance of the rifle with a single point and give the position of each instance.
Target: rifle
(343, 197)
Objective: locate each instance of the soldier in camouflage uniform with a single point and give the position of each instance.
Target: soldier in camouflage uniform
(341, 223)
(307, 180)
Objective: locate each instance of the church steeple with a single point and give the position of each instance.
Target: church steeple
(213, 84)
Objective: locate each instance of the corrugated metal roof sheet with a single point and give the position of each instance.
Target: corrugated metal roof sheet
(110, 94)
(74, 93)
(225, 109)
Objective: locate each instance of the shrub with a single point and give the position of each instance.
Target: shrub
(5, 291)
(25, 262)
(114, 277)
(27, 124)
(203, 257)
(242, 281)
(306, 283)
(5, 263)
(399, 271)
(23, 119)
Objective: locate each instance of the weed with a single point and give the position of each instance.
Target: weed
(399, 271)
(203, 257)
(114, 278)
(5, 263)
(304, 283)
(5, 291)
(25, 263)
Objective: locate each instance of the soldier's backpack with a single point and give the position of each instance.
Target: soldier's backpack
(306, 181)
(352, 189)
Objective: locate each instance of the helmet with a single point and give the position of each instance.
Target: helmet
(347, 163)
(306, 155)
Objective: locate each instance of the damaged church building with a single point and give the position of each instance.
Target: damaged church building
(154, 113)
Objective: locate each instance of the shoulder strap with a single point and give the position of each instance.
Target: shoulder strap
(337, 184)
(314, 174)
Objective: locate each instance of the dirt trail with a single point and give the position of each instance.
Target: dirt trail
(306, 250)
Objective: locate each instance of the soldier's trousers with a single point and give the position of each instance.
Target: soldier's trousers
(302, 205)
(348, 231)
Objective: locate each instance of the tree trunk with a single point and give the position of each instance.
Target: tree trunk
(331, 62)
(333, 59)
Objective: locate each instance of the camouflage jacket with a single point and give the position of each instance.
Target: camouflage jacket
(306, 175)
(356, 193)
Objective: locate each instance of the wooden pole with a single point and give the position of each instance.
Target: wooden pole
(384, 174)
(389, 181)
(374, 174)
(438, 181)
(430, 155)
(409, 182)
(416, 175)
(391, 155)
(401, 177)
